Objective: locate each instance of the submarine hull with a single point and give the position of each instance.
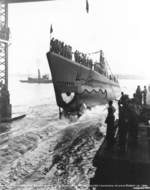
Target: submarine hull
(82, 83)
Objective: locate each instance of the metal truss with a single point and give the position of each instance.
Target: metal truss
(4, 38)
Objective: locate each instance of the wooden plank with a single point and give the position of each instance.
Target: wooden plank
(139, 152)
(13, 118)
(130, 167)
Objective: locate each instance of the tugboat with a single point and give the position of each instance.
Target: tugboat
(43, 79)
(79, 81)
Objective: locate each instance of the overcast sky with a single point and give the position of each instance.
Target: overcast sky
(119, 27)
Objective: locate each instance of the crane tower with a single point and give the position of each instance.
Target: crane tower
(5, 107)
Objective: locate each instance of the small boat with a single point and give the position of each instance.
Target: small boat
(43, 79)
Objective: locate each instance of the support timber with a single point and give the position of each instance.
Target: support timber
(5, 107)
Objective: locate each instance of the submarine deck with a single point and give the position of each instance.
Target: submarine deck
(129, 167)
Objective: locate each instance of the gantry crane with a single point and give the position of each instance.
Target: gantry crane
(4, 42)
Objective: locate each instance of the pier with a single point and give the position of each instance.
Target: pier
(131, 167)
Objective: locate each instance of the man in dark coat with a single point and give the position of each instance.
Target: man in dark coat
(124, 118)
(144, 95)
(139, 94)
(110, 123)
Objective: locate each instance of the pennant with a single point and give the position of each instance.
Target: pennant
(51, 29)
(87, 6)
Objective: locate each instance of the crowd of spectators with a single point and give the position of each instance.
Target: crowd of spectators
(61, 48)
(129, 118)
(83, 59)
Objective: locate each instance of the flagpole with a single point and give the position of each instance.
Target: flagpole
(50, 41)
(51, 30)
(87, 6)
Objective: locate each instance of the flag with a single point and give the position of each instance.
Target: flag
(87, 6)
(51, 29)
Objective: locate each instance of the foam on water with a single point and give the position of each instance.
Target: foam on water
(29, 147)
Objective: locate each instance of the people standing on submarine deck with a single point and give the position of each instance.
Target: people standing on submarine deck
(110, 120)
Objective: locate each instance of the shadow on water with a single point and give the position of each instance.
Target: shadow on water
(4, 133)
(4, 128)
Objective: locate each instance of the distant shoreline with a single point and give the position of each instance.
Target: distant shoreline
(130, 77)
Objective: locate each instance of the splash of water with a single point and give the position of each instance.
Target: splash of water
(28, 152)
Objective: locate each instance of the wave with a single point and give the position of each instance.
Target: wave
(51, 153)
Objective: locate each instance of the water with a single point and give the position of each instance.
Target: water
(28, 147)
(28, 95)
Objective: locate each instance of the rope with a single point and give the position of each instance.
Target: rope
(105, 60)
(108, 66)
(93, 52)
(89, 75)
(89, 53)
